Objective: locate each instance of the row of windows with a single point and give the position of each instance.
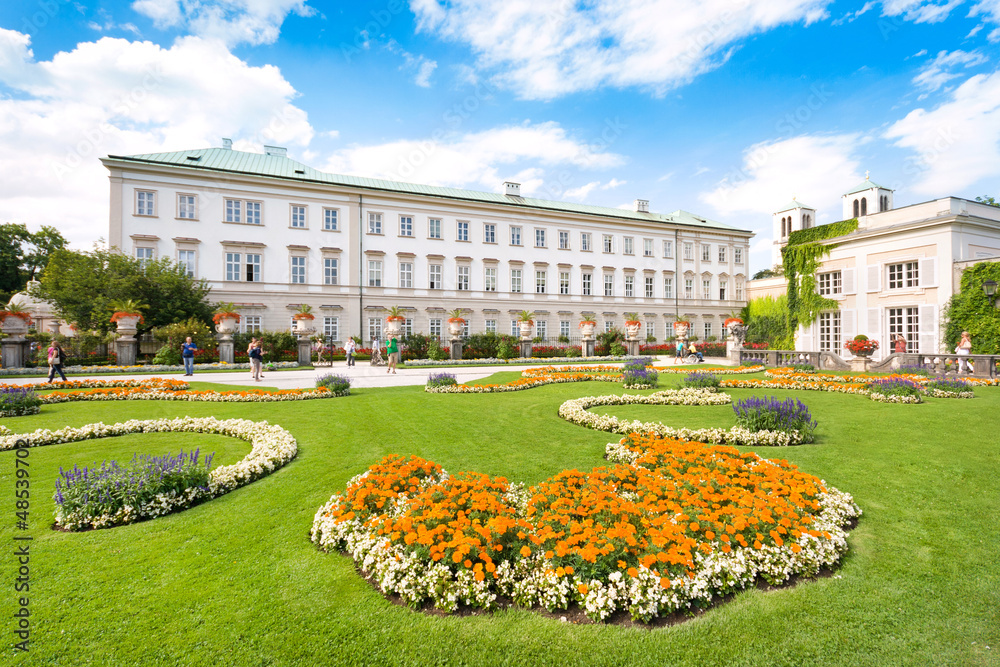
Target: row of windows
(240, 211)
(904, 322)
(901, 275)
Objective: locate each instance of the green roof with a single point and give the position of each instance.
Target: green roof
(866, 185)
(794, 204)
(279, 166)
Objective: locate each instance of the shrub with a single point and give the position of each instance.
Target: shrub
(441, 380)
(894, 387)
(95, 492)
(486, 345)
(435, 352)
(574, 352)
(506, 349)
(698, 380)
(18, 401)
(803, 368)
(167, 356)
(338, 384)
(172, 335)
(955, 386)
(415, 346)
(771, 414)
(617, 349)
(637, 373)
(914, 370)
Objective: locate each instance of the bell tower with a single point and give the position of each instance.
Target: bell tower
(791, 218)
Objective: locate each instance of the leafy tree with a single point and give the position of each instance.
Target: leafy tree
(85, 285)
(767, 320)
(988, 200)
(766, 273)
(23, 254)
(971, 310)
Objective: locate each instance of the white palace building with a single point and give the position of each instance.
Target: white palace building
(269, 233)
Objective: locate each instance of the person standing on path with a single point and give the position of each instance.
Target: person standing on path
(393, 350)
(187, 353)
(899, 344)
(964, 349)
(349, 348)
(679, 354)
(256, 355)
(57, 356)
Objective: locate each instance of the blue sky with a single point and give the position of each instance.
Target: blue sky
(726, 108)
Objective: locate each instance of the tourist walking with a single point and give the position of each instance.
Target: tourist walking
(679, 354)
(964, 349)
(57, 357)
(392, 347)
(349, 348)
(256, 354)
(188, 349)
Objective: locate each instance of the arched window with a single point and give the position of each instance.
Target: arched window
(883, 203)
(784, 228)
(855, 208)
(805, 222)
(864, 206)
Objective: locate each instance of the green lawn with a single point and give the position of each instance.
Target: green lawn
(236, 581)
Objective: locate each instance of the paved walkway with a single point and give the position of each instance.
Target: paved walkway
(362, 375)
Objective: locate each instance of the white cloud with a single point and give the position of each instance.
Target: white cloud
(920, 11)
(613, 183)
(850, 17)
(231, 21)
(115, 96)
(581, 192)
(813, 168)
(990, 10)
(422, 65)
(477, 160)
(424, 71)
(956, 144)
(937, 73)
(545, 50)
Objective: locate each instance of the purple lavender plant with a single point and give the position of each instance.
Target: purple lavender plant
(441, 380)
(700, 380)
(894, 387)
(17, 401)
(768, 413)
(636, 373)
(956, 386)
(337, 384)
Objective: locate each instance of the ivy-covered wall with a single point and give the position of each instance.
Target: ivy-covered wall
(971, 311)
(767, 320)
(800, 259)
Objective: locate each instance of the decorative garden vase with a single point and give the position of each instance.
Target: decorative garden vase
(229, 325)
(681, 329)
(303, 326)
(393, 327)
(587, 330)
(455, 328)
(14, 326)
(128, 324)
(526, 330)
(632, 329)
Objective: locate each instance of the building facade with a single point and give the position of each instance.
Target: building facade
(896, 273)
(269, 233)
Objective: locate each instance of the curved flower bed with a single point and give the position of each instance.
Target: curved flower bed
(536, 377)
(739, 370)
(790, 373)
(164, 384)
(272, 447)
(677, 527)
(575, 410)
(235, 396)
(799, 382)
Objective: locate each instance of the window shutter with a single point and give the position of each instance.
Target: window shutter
(847, 281)
(928, 273)
(848, 326)
(928, 329)
(805, 339)
(874, 321)
(873, 278)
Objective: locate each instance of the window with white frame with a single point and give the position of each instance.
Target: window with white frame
(234, 210)
(648, 292)
(829, 332)
(668, 249)
(408, 326)
(434, 326)
(706, 252)
(406, 274)
(906, 323)
(186, 258)
(405, 225)
(253, 263)
(465, 328)
(609, 284)
(564, 328)
(374, 272)
(331, 328)
(708, 330)
(628, 245)
(737, 255)
(298, 217)
(243, 268)
(629, 286)
(462, 277)
(689, 288)
(723, 286)
(331, 219)
(489, 233)
(434, 276)
(253, 212)
(563, 240)
(145, 202)
(829, 283)
(706, 289)
(462, 230)
(515, 236)
(515, 280)
(668, 287)
(906, 274)
(331, 270)
(187, 207)
(539, 238)
(564, 282)
(375, 328)
(250, 323)
(585, 241)
(540, 282)
(647, 247)
(144, 255)
(433, 228)
(650, 329)
(515, 328)
(490, 279)
(689, 251)
(609, 243)
(608, 325)
(722, 254)
(542, 329)
(491, 326)
(374, 223)
(298, 270)
(587, 284)
(739, 289)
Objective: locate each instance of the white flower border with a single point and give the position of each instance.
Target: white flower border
(271, 448)
(575, 410)
(251, 396)
(740, 370)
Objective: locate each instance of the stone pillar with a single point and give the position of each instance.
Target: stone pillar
(860, 364)
(14, 352)
(588, 347)
(226, 352)
(125, 350)
(456, 348)
(305, 351)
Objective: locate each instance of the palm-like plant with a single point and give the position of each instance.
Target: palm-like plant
(526, 316)
(456, 315)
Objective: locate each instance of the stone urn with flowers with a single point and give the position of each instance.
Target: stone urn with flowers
(394, 323)
(304, 320)
(127, 315)
(227, 322)
(632, 326)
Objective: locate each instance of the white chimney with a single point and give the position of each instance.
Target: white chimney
(227, 144)
(512, 189)
(642, 206)
(276, 151)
